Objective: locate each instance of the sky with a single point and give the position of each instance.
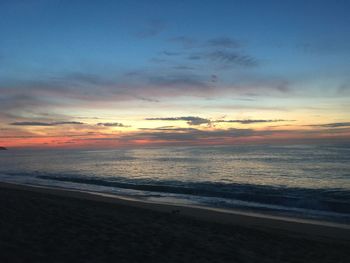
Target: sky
(106, 74)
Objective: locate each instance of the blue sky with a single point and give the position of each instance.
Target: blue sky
(60, 35)
(160, 57)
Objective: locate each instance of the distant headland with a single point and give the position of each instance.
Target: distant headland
(2, 148)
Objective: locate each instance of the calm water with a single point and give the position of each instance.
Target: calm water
(301, 180)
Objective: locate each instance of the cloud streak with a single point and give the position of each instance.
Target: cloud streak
(34, 123)
(186, 42)
(223, 42)
(180, 82)
(250, 121)
(112, 124)
(191, 120)
(188, 135)
(231, 58)
(152, 28)
(332, 125)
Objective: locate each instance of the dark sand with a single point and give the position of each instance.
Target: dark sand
(46, 225)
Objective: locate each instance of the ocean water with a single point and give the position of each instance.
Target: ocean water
(307, 181)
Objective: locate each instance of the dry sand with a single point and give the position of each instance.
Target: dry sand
(56, 225)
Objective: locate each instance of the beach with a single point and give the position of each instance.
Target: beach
(39, 224)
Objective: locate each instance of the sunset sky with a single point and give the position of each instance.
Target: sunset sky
(103, 73)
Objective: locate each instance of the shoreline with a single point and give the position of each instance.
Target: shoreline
(294, 226)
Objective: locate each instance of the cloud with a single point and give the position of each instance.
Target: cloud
(68, 123)
(186, 42)
(198, 120)
(147, 99)
(344, 88)
(168, 135)
(31, 123)
(216, 42)
(83, 90)
(217, 50)
(189, 119)
(34, 123)
(188, 80)
(9, 102)
(224, 58)
(112, 124)
(152, 28)
(331, 125)
(159, 60)
(84, 78)
(223, 42)
(248, 121)
(229, 58)
(195, 57)
(325, 47)
(253, 86)
(214, 78)
(183, 67)
(171, 53)
(188, 134)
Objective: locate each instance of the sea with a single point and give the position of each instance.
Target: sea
(299, 181)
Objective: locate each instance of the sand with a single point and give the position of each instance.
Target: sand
(56, 225)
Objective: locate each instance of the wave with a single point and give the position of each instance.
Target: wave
(330, 199)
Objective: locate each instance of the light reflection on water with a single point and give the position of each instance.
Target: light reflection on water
(310, 166)
(296, 176)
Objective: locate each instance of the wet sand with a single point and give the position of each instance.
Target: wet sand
(56, 225)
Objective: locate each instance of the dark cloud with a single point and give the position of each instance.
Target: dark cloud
(72, 90)
(152, 28)
(31, 123)
(214, 78)
(28, 135)
(85, 78)
(189, 119)
(223, 42)
(254, 86)
(186, 136)
(217, 50)
(134, 73)
(87, 117)
(282, 85)
(34, 123)
(168, 128)
(224, 58)
(195, 57)
(325, 47)
(183, 67)
(112, 124)
(344, 88)
(250, 121)
(68, 123)
(165, 128)
(332, 125)
(179, 81)
(217, 42)
(198, 120)
(20, 101)
(147, 99)
(229, 58)
(171, 53)
(186, 42)
(159, 60)
(190, 135)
